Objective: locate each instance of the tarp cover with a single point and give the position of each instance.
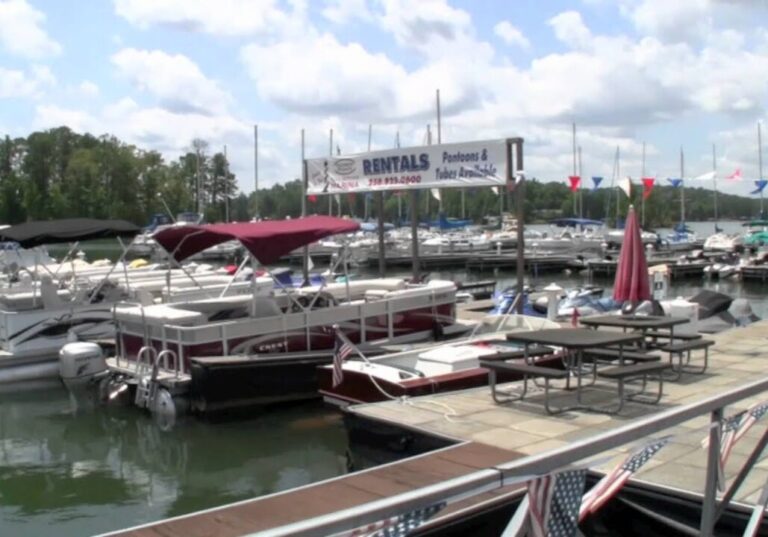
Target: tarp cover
(268, 240)
(41, 232)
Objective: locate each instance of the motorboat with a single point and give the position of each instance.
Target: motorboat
(615, 237)
(432, 369)
(727, 242)
(680, 239)
(38, 317)
(455, 242)
(757, 233)
(263, 347)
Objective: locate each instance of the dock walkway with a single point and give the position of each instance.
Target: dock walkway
(738, 357)
(259, 514)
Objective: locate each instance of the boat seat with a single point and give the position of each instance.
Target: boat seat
(160, 314)
(49, 293)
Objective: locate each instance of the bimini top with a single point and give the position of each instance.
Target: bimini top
(41, 232)
(268, 240)
(576, 222)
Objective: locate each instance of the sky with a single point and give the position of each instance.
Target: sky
(668, 74)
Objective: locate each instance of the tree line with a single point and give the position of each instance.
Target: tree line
(58, 173)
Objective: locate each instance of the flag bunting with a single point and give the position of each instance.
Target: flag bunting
(675, 182)
(760, 184)
(553, 503)
(626, 186)
(610, 485)
(575, 182)
(648, 183)
(596, 182)
(343, 349)
(735, 176)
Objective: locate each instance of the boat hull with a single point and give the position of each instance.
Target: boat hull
(359, 387)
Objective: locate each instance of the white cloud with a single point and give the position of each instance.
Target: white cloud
(218, 17)
(51, 116)
(174, 79)
(673, 21)
(571, 30)
(425, 25)
(321, 75)
(511, 35)
(88, 88)
(21, 84)
(22, 33)
(343, 11)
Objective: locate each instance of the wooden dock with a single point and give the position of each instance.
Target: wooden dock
(677, 271)
(738, 357)
(486, 260)
(327, 497)
(755, 273)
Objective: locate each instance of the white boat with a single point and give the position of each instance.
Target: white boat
(615, 237)
(263, 347)
(728, 242)
(426, 370)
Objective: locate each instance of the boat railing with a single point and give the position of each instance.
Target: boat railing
(178, 335)
(145, 364)
(520, 470)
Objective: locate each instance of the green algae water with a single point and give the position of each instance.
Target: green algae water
(69, 473)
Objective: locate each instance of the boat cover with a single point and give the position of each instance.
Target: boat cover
(267, 240)
(31, 234)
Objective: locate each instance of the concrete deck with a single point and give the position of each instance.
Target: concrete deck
(739, 356)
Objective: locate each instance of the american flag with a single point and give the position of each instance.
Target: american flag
(344, 348)
(399, 526)
(729, 428)
(553, 503)
(610, 485)
(754, 413)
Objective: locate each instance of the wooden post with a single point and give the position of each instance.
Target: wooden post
(380, 218)
(415, 233)
(304, 179)
(520, 206)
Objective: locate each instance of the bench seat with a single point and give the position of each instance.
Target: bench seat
(661, 334)
(611, 355)
(644, 371)
(526, 372)
(683, 350)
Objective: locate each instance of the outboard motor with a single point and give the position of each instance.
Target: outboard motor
(81, 366)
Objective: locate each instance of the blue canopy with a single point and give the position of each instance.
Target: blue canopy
(575, 222)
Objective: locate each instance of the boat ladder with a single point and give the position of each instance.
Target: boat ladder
(146, 377)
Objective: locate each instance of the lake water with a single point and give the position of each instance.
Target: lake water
(68, 474)
(75, 474)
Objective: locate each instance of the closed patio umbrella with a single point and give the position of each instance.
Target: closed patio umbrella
(632, 272)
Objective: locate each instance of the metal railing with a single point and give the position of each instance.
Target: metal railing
(547, 462)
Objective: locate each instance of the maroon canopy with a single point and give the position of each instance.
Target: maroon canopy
(267, 240)
(632, 272)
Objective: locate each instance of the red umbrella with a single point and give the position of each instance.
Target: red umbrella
(632, 273)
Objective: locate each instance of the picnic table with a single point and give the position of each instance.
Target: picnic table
(574, 342)
(641, 323)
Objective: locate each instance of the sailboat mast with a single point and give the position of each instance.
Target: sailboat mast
(714, 182)
(581, 189)
(682, 187)
(760, 163)
(618, 175)
(642, 203)
(574, 166)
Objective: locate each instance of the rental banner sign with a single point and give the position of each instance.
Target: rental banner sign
(433, 166)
